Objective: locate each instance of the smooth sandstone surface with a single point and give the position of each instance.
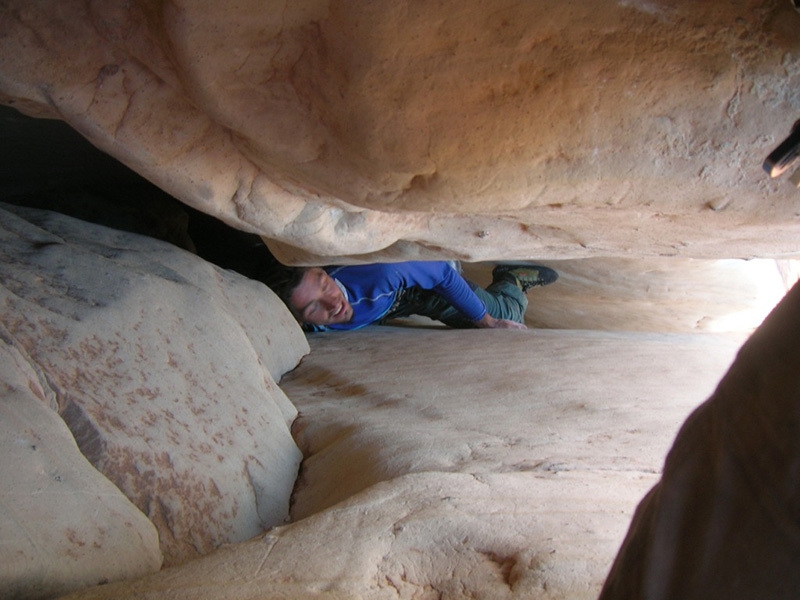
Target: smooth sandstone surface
(492, 402)
(163, 366)
(350, 131)
(463, 464)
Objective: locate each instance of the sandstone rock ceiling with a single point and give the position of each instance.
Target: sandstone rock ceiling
(347, 131)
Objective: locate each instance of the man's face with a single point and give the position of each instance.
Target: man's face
(319, 301)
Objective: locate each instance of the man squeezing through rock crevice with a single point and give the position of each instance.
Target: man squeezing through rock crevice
(352, 297)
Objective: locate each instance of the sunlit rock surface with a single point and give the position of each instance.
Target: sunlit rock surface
(678, 295)
(478, 130)
(163, 366)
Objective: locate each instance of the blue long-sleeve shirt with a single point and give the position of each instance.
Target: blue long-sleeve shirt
(372, 289)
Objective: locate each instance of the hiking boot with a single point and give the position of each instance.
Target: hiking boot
(524, 276)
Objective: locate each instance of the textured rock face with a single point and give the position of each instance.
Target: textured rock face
(479, 130)
(163, 367)
(63, 525)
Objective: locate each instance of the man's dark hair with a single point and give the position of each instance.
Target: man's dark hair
(288, 283)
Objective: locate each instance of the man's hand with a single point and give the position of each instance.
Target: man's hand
(489, 322)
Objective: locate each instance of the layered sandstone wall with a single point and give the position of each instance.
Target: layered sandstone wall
(476, 130)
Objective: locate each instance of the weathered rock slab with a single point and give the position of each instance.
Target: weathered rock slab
(163, 367)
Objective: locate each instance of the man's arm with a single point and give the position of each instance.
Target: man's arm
(448, 283)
